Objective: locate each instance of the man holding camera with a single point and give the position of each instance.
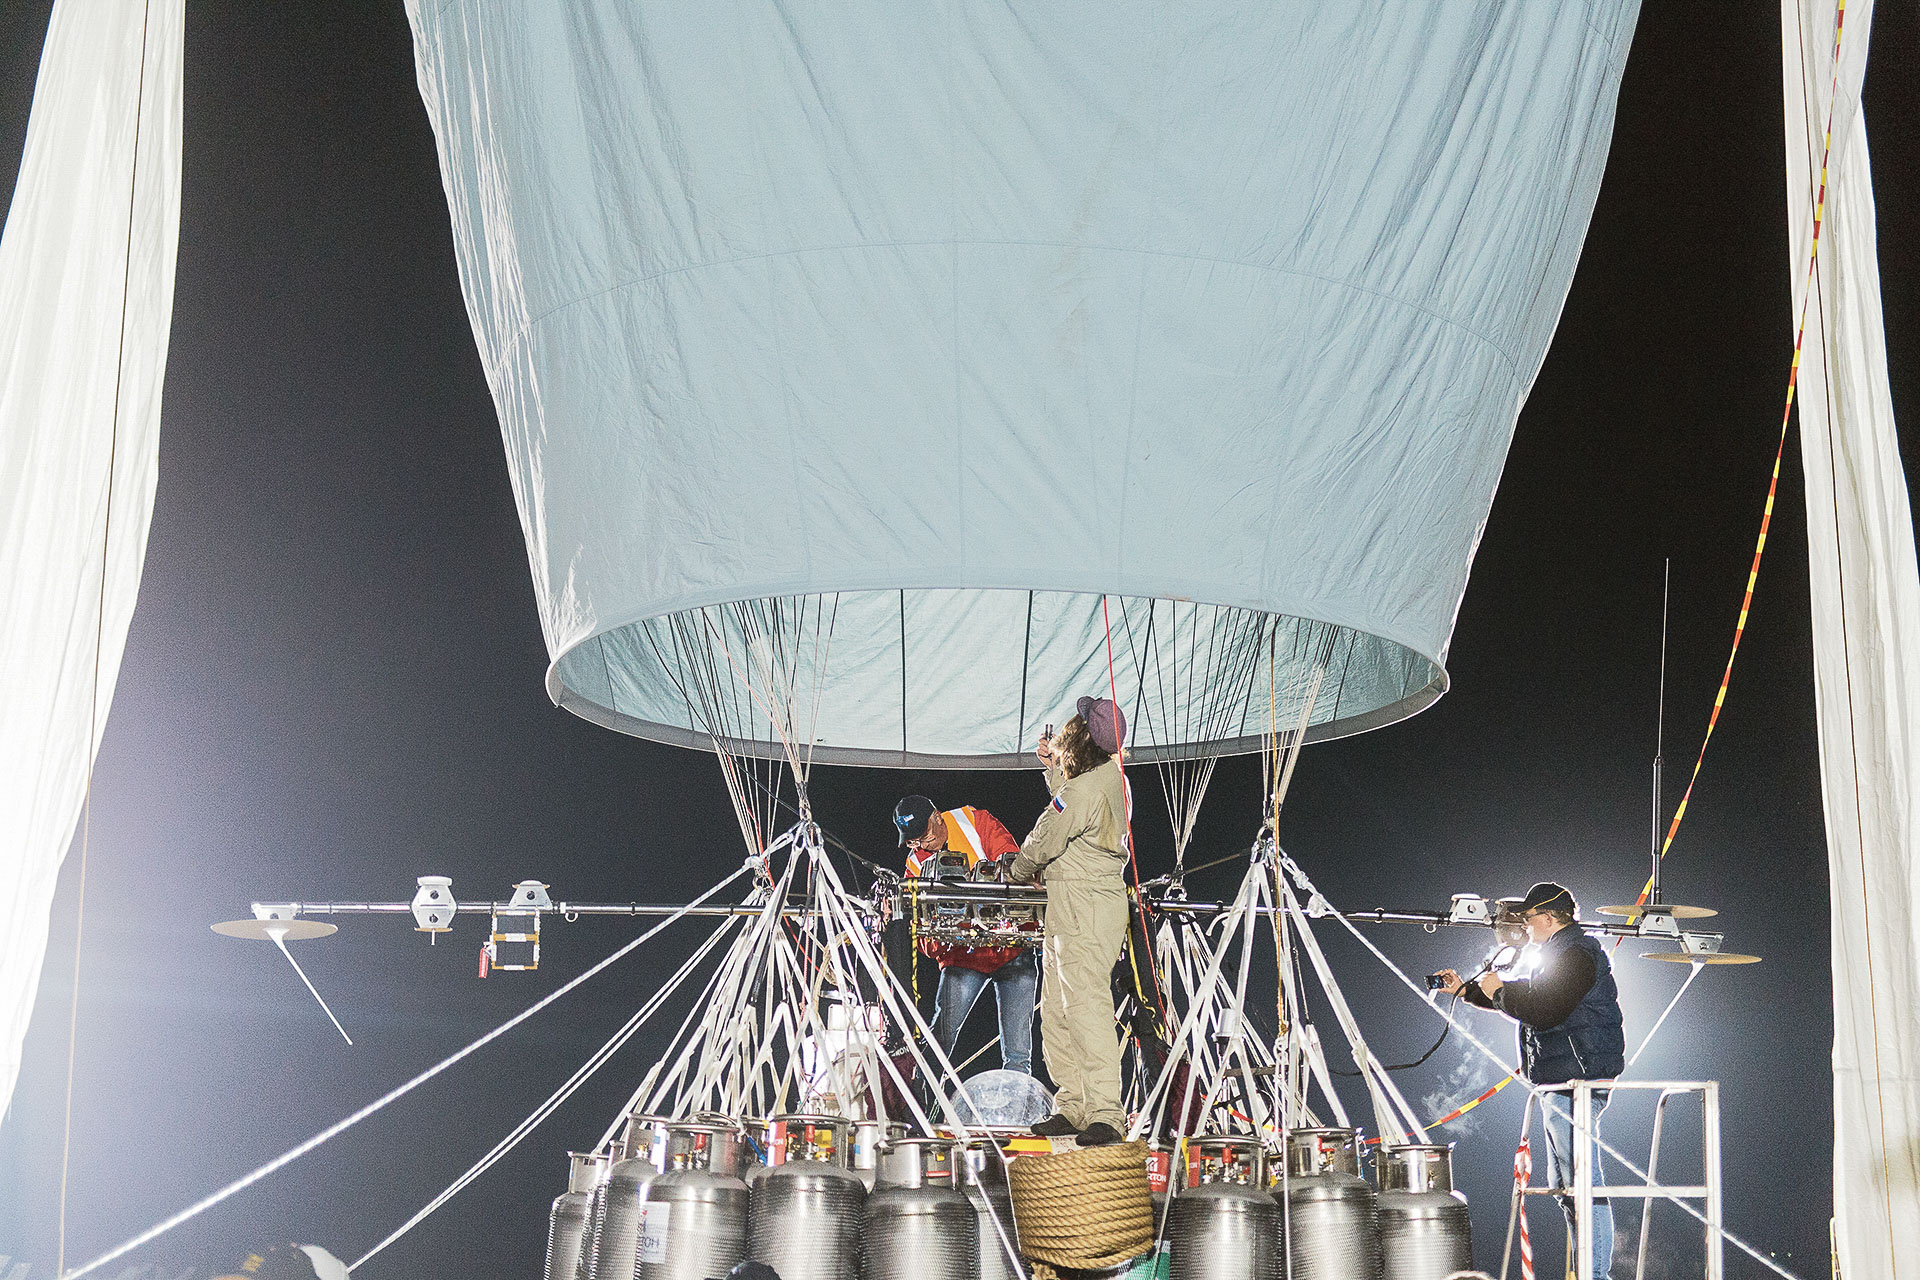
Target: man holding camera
(1570, 1029)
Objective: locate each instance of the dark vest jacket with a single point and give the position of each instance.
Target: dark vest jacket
(1590, 1044)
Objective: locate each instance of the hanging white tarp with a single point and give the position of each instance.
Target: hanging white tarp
(86, 298)
(1866, 641)
(929, 326)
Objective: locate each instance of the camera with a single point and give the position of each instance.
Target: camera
(1436, 982)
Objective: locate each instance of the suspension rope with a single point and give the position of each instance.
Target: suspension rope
(328, 1134)
(599, 1058)
(1658, 1022)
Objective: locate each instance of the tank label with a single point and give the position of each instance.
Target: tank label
(653, 1231)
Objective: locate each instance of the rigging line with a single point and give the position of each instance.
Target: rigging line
(279, 937)
(1694, 972)
(1786, 417)
(784, 739)
(903, 671)
(392, 1095)
(1119, 759)
(823, 652)
(599, 1058)
(645, 1091)
(99, 639)
(1026, 657)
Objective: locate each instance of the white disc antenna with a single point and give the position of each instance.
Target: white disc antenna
(278, 931)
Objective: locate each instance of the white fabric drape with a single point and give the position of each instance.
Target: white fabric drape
(1866, 637)
(86, 298)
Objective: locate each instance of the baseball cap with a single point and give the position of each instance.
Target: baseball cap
(1106, 723)
(1547, 896)
(911, 817)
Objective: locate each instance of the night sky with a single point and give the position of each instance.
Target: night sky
(334, 684)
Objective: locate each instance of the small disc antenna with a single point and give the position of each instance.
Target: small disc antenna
(278, 931)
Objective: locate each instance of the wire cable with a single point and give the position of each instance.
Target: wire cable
(333, 1131)
(599, 1058)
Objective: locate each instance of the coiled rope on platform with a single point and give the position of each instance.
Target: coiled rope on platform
(1082, 1210)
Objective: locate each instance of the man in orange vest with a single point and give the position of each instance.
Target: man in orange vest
(965, 972)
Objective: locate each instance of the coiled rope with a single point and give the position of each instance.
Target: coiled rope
(1082, 1210)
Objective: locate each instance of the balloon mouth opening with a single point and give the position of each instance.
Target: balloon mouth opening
(969, 678)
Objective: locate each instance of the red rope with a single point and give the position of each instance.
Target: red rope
(1119, 756)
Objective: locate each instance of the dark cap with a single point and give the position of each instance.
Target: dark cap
(1547, 896)
(1106, 723)
(911, 817)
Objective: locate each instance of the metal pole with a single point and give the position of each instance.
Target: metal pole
(1653, 1178)
(1583, 1152)
(1710, 1100)
(1659, 733)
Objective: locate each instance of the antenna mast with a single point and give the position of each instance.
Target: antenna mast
(1659, 732)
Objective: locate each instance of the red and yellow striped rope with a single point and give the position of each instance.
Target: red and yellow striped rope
(1773, 484)
(1457, 1112)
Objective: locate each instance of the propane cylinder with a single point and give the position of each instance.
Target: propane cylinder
(567, 1224)
(1424, 1229)
(614, 1225)
(918, 1224)
(983, 1174)
(804, 1219)
(693, 1216)
(1223, 1225)
(1161, 1155)
(1332, 1219)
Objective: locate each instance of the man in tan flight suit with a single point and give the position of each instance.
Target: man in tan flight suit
(1078, 851)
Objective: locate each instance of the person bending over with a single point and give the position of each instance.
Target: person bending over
(967, 971)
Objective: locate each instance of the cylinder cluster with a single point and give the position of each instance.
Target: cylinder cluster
(680, 1200)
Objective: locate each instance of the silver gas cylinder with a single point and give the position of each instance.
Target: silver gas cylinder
(1223, 1224)
(567, 1224)
(804, 1220)
(693, 1216)
(614, 1227)
(919, 1225)
(868, 1137)
(983, 1176)
(1333, 1221)
(1425, 1233)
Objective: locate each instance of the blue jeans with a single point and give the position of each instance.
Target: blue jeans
(1558, 1114)
(1015, 984)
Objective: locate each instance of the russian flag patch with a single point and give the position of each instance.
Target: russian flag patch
(1059, 805)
